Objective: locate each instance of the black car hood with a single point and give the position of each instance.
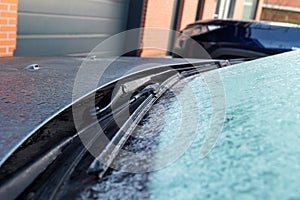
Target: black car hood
(29, 98)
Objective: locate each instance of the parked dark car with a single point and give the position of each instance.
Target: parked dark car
(229, 39)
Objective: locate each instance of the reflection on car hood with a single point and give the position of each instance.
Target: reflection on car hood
(29, 98)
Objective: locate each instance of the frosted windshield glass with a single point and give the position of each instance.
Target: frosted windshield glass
(257, 155)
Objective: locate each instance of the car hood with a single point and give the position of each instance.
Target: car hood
(29, 98)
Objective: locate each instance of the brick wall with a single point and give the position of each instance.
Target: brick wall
(292, 3)
(8, 26)
(259, 10)
(158, 15)
(238, 9)
(282, 11)
(280, 16)
(189, 12)
(209, 9)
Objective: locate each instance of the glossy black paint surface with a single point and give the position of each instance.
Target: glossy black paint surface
(28, 98)
(252, 39)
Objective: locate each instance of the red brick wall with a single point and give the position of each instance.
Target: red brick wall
(292, 3)
(8, 26)
(189, 12)
(280, 16)
(209, 9)
(259, 9)
(158, 15)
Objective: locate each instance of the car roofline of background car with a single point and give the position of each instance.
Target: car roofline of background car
(232, 22)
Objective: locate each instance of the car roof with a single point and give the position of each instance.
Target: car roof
(241, 23)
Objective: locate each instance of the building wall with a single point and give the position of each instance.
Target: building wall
(189, 12)
(259, 9)
(8, 26)
(158, 16)
(238, 10)
(209, 9)
(293, 3)
(280, 16)
(281, 10)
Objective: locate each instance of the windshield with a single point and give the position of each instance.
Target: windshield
(256, 155)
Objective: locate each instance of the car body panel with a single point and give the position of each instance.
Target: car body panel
(255, 39)
(31, 98)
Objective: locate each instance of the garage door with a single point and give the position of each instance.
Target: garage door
(59, 27)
